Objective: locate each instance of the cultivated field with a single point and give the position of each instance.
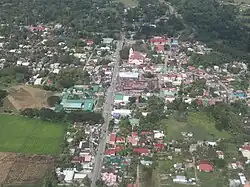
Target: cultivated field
(21, 97)
(24, 135)
(16, 169)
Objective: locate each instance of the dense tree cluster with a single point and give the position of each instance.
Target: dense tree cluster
(70, 77)
(152, 18)
(216, 24)
(50, 115)
(3, 94)
(156, 112)
(10, 75)
(90, 16)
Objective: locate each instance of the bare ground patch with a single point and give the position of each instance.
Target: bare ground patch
(16, 169)
(21, 97)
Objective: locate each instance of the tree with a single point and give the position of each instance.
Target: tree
(111, 125)
(47, 114)
(125, 127)
(3, 94)
(220, 163)
(79, 167)
(124, 53)
(53, 100)
(132, 100)
(100, 183)
(28, 112)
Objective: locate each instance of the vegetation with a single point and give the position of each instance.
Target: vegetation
(198, 123)
(71, 77)
(24, 135)
(13, 75)
(84, 16)
(53, 100)
(3, 94)
(217, 25)
(46, 114)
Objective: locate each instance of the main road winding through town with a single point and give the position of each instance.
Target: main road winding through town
(107, 115)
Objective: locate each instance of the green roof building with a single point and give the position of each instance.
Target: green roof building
(119, 97)
(134, 121)
(79, 97)
(89, 104)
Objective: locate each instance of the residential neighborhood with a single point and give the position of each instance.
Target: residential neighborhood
(131, 148)
(124, 94)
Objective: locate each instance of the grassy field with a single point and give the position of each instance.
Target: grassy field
(24, 135)
(198, 123)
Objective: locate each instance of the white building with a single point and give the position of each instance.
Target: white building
(180, 179)
(69, 175)
(129, 75)
(122, 112)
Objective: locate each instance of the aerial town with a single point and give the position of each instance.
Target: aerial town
(121, 109)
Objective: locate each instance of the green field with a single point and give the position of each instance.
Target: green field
(202, 127)
(23, 135)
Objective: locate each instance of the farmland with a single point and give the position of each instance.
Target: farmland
(30, 136)
(22, 169)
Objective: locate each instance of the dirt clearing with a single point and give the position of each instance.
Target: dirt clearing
(21, 97)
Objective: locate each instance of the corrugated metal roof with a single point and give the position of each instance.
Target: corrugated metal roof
(72, 105)
(119, 97)
(89, 104)
(128, 75)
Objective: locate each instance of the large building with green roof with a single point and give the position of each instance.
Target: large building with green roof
(78, 98)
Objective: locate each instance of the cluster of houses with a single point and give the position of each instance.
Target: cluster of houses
(139, 77)
(82, 154)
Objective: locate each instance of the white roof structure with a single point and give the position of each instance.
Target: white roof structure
(80, 176)
(38, 81)
(69, 175)
(180, 179)
(132, 75)
(122, 112)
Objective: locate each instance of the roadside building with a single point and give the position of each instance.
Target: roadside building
(121, 99)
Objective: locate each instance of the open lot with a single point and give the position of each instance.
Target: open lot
(197, 122)
(23, 135)
(21, 97)
(16, 169)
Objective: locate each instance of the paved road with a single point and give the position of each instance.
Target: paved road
(107, 115)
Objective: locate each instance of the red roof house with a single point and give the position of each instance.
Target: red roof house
(159, 48)
(133, 139)
(78, 160)
(120, 140)
(110, 152)
(112, 138)
(141, 150)
(246, 147)
(38, 28)
(158, 40)
(90, 42)
(146, 133)
(159, 146)
(205, 166)
(118, 148)
(136, 57)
